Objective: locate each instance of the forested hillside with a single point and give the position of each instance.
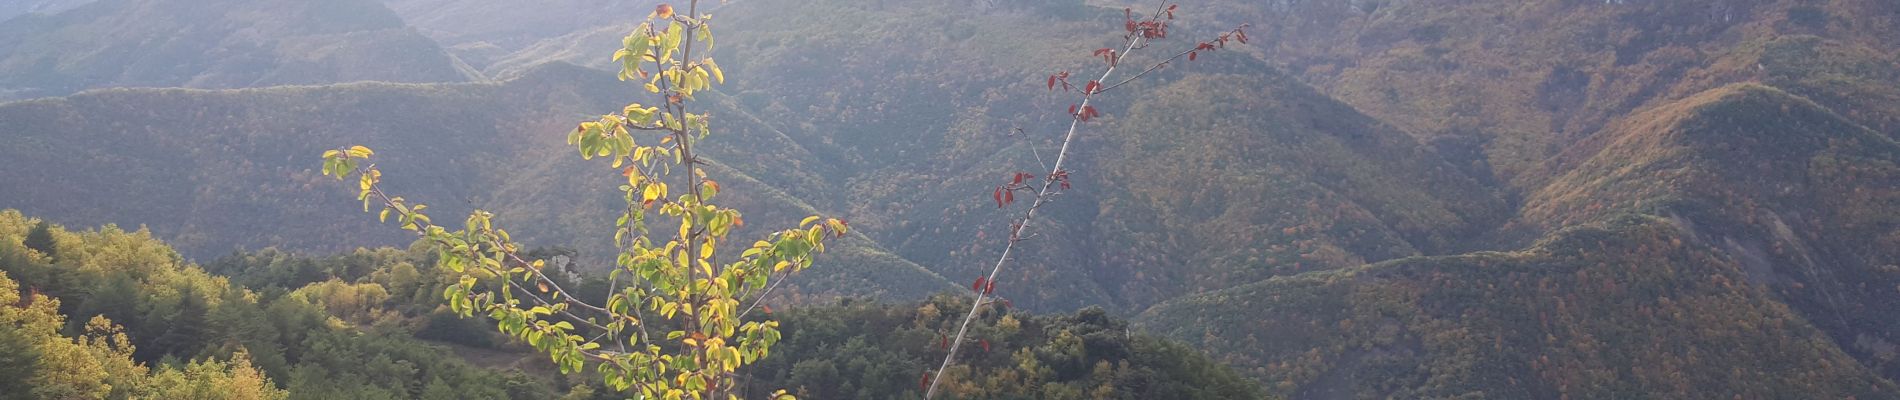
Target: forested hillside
(371, 325)
(1506, 84)
(1630, 308)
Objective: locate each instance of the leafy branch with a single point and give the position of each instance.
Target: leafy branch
(681, 283)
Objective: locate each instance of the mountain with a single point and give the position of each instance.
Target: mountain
(1743, 226)
(214, 44)
(916, 126)
(1374, 199)
(1629, 308)
(1503, 85)
(217, 170)
(1801, 197)
(14, 8)
(484, 33)
(847, 142)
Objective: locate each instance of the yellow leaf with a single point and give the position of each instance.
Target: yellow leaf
(634, 177)
(651, 193)
(716, 73)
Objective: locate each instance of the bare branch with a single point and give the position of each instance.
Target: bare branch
(1057, 178)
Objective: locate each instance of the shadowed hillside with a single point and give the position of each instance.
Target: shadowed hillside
(214, 44)
(220, 170)
(485, 32)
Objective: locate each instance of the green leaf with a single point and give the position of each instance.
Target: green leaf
(705, 36)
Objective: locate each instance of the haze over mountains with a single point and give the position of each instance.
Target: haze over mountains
(1375, 199)
(214, 44)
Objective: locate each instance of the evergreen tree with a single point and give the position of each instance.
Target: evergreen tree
(184, 331)
(18, 359)
(40, 238)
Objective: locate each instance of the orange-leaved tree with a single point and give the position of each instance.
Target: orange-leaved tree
(673, 325)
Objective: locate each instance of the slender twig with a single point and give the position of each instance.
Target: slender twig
(762, 295)
(1136, 39)
(1042, 196)
(424, 226)
(1156, 66)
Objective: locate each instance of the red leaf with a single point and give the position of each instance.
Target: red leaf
(1009, 197)
(1102, 51)
(990, 289)
(1191, 55)
(979, 284)
(943, 342)
(768, 309)
(999, 197)
(923, 384)
(1091, 87)
(986, 345)
(1071, 109)
(1052, 82)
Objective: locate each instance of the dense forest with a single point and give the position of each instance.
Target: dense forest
(371, 325)
(1371, 199)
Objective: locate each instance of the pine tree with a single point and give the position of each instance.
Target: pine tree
(40, 238)
(18, 358)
